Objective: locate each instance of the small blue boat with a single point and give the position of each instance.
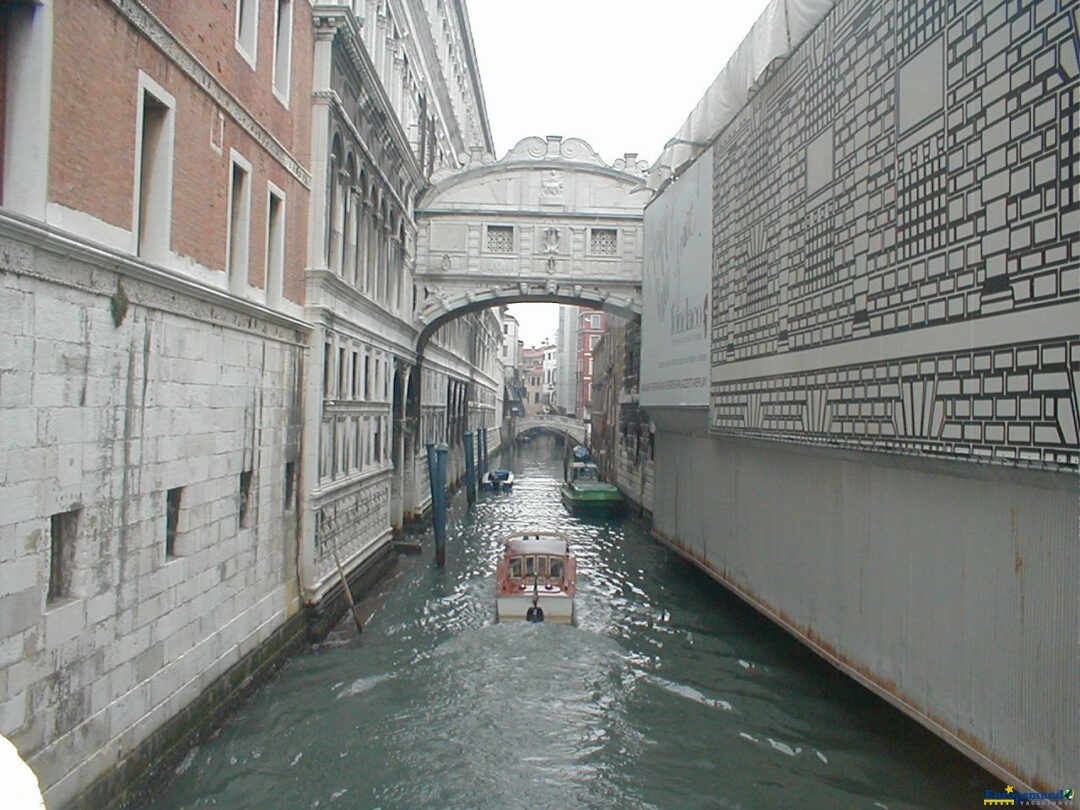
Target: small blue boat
(497, 481)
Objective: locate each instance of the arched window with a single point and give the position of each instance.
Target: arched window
(360, 219)
(348, 248)
(334, 207)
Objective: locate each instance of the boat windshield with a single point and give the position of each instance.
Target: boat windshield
(533, 566)
(586, 473)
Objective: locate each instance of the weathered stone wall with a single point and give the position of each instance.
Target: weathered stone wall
(115, 388)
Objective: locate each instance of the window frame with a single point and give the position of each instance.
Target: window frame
(500, 228)
(274, 271)
(592, 237)
(246, 40)
(238, 264)
(281, 75)
(153, 243)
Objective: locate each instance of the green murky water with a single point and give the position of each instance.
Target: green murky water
(666, 692)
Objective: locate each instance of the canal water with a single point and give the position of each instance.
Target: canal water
(666, 692)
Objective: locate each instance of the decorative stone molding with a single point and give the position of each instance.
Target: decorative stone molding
(553, 148)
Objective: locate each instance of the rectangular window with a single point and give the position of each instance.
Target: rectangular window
(153, 178)
(290, 485)
(602, 241)
(245, 498)
(356, 375)
(275, 246)
(247, 29)
(63, 530)
(282, 49)
(327, 376)
(172, 520)
(342, 375)
(500, 239)
(239, 224)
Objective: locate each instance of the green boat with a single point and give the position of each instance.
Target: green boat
(583, 489)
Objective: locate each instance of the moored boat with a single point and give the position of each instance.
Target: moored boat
(497, 480)
(536, 577)
(583, 489)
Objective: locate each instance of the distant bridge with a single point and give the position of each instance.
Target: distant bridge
(552, 423)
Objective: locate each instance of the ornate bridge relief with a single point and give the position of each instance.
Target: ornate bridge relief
(550, 221)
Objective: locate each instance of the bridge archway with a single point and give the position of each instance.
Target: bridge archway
(572, 430)
(548, 222)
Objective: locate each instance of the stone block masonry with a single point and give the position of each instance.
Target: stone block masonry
(145, 544)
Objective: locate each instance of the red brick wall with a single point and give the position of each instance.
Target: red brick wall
(98, 56)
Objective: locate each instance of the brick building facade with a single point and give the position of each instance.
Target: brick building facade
(205, 252)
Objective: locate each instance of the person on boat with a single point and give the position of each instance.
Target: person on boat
(534, 614)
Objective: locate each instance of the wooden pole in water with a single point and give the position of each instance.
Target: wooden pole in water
(470, 469)
(348, 594)
(439, 504)
(481, 438)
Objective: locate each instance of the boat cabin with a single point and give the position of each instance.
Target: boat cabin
(583, 471)
(536, 577)
(536, 561)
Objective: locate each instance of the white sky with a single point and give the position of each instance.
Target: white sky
(621, 74)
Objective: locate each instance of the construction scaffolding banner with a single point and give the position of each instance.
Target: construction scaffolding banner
(676, 287)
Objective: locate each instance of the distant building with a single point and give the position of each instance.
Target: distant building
(511, 356)
(533, 376)
(590, 329)
(566, 364)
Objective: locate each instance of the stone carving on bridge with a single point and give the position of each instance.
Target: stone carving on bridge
(553, 183)
(551, 240)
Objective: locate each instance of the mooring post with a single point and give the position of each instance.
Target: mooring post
(431, 477)
(481, 436)
(470, 469)
(439, 505)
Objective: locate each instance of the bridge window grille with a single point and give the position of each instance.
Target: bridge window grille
(500, 239)
(602, 241)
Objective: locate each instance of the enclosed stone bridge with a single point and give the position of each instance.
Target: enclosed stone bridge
(573, 429)
(549, 222)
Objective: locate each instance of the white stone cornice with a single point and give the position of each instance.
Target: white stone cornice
(322, 283)
(144, 21)
(146, 285)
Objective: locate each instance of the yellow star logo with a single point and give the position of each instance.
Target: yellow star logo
(1009, 789)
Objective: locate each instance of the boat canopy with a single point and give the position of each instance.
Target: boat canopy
(542, 543)
(584, 471)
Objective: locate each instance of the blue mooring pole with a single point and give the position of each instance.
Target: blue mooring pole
(470, 469)
(481, 436)
(439, 505)
(431, 474)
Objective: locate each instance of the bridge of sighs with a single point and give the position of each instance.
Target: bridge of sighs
(550, 221)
